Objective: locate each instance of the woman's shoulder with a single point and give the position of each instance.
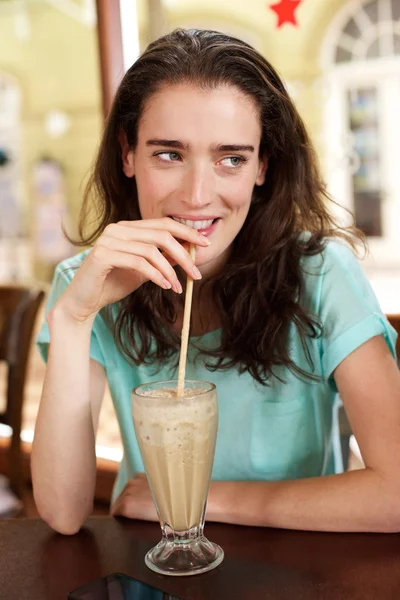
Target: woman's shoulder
(331, 271)
(69, 266)
(335, 255)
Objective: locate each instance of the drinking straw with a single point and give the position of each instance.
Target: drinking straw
(185, 328)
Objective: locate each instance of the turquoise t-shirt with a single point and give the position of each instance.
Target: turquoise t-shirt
(284, 431)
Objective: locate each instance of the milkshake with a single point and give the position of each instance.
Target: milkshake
(176, 437)
(177, 441)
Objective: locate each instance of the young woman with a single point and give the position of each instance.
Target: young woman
(203, 145)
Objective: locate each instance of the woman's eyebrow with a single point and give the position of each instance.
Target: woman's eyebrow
(233, 148)
(169, 143)
(215, 148)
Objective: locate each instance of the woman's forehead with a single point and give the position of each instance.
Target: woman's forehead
(223, 110)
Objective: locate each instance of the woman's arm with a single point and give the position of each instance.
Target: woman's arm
(367, 500)
(63, 455)
(63, 452)
(368, 381)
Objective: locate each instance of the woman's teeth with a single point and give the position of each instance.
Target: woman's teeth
(195, 224)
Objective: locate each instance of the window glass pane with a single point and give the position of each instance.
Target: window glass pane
(342, 55)
(363, 113)
(352, 29)
(372, 10)
(395, 10)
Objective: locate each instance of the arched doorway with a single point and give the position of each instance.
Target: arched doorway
(361, 57)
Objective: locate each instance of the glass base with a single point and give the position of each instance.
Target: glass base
(190, 557)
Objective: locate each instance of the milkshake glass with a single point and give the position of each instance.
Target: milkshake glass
(176, 437)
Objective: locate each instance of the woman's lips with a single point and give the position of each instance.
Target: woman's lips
(207, 232)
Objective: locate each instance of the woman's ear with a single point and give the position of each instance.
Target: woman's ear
(127, 155)
(262, 170)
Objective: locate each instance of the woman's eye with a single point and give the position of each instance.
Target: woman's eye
(235, 161)
(168, 156)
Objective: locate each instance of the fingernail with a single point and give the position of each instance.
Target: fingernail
(204, 240)
(177, 287)
(166, 284)
(196, 273)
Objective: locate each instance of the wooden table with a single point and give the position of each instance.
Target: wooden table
(37, 564)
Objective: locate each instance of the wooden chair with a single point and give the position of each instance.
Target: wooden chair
(18, 310)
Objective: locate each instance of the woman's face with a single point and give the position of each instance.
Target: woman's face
(197, 161)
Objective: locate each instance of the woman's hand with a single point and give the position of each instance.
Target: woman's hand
(135, 501)
(126, 255)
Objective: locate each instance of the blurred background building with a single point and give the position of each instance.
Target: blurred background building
(60, 61)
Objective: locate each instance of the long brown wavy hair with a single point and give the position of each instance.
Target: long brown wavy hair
(257, 292)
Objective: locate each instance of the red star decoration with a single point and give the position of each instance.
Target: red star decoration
(285, 10)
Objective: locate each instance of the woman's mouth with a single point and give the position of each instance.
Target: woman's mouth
(205, 227)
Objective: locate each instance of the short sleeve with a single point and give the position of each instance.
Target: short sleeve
(62, 278)
(348, 309)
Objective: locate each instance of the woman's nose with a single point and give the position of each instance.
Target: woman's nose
(198, 188)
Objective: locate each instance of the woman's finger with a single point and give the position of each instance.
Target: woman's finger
(172, 260)
(178, 230)
(150, 253)
(122, 260)
(157, 239)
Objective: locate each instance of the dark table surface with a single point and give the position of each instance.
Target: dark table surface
(38, 564)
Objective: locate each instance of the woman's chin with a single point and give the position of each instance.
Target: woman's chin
(209, 263)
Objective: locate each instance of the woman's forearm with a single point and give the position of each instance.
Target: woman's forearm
(63, 453)
(354, 501)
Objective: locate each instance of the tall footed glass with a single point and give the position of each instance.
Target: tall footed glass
(177, 437)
